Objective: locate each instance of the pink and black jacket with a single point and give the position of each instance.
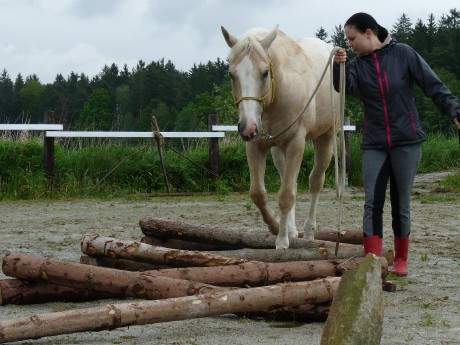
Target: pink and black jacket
(384, 80)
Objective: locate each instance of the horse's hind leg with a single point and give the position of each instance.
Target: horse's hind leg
(323, 154)
(280, 161)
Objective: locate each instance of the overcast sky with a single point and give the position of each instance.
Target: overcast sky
(47, 37)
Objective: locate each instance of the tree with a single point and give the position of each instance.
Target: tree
(225, 104)
(322, 34)
(6, 94)
(402, 29)
(420, 38)
(31, 99)
(338, 39)
(16, 107)
(96, 113)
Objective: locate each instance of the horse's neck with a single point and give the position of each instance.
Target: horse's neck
(294, 83)
(289, 61)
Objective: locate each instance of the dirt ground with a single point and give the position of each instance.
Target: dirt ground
(425, 309)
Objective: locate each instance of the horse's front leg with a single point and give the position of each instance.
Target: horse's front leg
(257, 160)
(280, 162)
(288, 192)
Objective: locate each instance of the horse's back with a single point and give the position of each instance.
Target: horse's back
(316, 50)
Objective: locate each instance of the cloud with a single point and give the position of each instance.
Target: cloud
(47, 37)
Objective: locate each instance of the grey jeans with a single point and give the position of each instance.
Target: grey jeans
(399, 165)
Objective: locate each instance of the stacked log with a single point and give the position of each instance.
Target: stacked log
(147, 312)
(185, 271)
(163, 228)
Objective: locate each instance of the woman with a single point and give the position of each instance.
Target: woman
(383, 73)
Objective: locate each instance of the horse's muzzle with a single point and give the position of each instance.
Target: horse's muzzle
(248, 135)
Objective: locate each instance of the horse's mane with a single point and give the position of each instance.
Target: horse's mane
(248, 43)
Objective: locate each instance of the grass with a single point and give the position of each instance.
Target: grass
(126, 169)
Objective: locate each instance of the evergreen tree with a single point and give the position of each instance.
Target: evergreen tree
(96, 113)
(16, 100)
(6, 94)
(402, 29)
(31, 100)
(420, 38)
(322, 35)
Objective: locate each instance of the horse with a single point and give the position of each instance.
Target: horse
(273, 80)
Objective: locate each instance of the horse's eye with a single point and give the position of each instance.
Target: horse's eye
(266, 73)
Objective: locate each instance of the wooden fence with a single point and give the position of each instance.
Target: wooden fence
(216, 132)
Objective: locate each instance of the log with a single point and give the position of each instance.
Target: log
(185, 245)
(20, 292)
(354, 236)
(95, 245)
(148, 312)
(120, 264)
(162, 228)
(388, 286)
(305, 313)
(356, 315)
(293, 254)
(125, 283)
(254, 273)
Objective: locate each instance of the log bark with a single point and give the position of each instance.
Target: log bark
(185, 245)
(148, 312)
(259, 273)
(354, 236)
(131, 284)
(162, 228)
(356, 315)
(20, 292)
(120, 264)
(292, 254)
(95, 245)
(305, 313)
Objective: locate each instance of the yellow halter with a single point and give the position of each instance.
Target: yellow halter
(262, 99)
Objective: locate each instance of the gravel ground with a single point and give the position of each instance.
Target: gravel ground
(424, 309)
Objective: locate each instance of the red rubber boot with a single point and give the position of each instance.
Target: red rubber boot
(401, 251)
(373, 244)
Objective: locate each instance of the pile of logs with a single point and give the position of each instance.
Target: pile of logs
(179, 271)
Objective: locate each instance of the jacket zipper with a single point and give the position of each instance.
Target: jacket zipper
(382, 94)
(414, 127)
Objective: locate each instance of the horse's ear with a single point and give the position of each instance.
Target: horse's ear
(267, 41)
(229, 38)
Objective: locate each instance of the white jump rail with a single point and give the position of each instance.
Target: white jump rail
(227, 128)
(31, 127)
(88, 134)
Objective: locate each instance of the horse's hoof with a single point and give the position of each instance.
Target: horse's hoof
(282, 243)
(309, 235)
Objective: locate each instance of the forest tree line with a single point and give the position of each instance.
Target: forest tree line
(122, 99)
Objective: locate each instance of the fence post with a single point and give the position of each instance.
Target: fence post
(49, 156)
(213, 147)
(159, 141)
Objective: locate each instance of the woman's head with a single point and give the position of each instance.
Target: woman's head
(362, 21)
(364, 34)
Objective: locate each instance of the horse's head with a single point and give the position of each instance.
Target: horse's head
(252, 77)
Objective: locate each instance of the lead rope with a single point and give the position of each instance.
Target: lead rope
(339, 168)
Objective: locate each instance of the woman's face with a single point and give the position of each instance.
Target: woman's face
(359, 42)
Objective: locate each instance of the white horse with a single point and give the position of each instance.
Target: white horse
(273, 79)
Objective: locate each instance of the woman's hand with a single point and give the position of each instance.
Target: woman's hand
(340, 56)
(457, 121)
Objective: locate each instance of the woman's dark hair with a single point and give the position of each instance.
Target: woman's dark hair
(362, 21)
